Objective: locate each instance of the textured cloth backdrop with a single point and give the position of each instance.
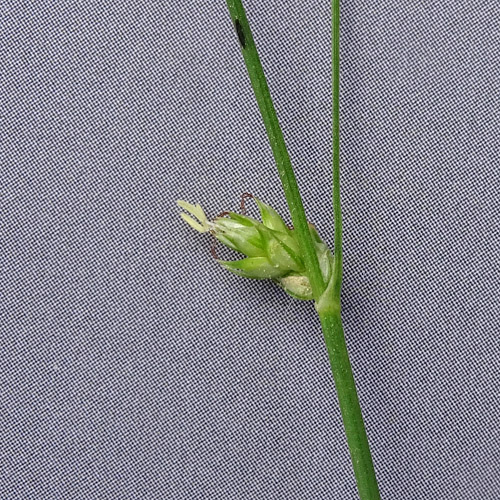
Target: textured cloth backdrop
(132, 366)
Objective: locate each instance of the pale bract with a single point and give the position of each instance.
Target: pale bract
(271, 248)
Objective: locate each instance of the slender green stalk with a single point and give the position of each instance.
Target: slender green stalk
(336, 147)
(332, 323)
(357, 440)
(277, 142)
(329, 306)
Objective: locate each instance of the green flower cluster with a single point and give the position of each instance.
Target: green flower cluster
(271, 248)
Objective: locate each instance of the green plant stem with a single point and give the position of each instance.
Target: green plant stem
(331, 321)
(278, 146)
(357, 439)
(336, 147)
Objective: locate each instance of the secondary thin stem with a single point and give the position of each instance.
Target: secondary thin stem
(332, 323)
(336, 147)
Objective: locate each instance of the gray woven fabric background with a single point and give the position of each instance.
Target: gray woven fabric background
(132, 366)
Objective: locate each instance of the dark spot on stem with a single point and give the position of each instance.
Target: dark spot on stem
(239, 32)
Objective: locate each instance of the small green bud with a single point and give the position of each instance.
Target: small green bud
(253, 267)
(280, 249)
(244, 239)
(271, 218)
